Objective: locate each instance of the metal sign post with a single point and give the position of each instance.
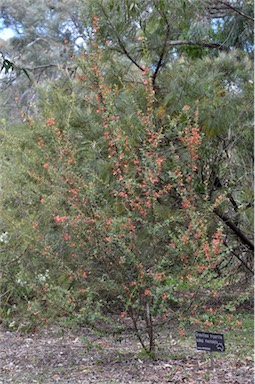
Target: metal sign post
(211, 360)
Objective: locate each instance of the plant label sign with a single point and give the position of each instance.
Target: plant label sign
(212, 342)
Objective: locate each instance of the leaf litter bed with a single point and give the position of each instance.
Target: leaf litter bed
(56, 356)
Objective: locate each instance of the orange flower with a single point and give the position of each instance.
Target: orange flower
(50, 122)
(147, 292)
(66, 236)
(59, 219)
(164, 296)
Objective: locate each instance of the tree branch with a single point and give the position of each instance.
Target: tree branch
(128, 55)
(43, 66)
(198, 44)
(243, 262)
(161, 57)
(244, 239)
(122, 46)
(236, 10)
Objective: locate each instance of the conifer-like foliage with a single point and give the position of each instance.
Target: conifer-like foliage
(126, 184)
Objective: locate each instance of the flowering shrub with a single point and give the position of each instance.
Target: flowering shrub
(118, 224)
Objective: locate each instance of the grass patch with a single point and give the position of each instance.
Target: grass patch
(241, 341)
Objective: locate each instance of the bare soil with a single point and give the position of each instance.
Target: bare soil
(56, 356)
